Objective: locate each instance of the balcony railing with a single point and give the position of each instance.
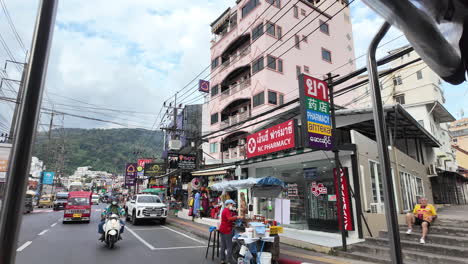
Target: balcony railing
(234, 57)
(232, 120)
(234, 153)
(235, 88)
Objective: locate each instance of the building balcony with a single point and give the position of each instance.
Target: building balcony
(234, 153)
(235, 88)
(232, 120)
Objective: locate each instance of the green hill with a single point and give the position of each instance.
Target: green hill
(102, 149)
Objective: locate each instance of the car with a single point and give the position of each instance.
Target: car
(60, 202)
(95, 199)
(46, 201)
(145, 207)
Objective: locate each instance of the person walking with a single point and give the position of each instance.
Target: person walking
(423, 215)
(225, 230)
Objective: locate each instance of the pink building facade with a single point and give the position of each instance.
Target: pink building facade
(258, 49)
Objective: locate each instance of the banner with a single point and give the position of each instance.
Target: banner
(346, 199)
(273, 139)
(181, 161)
(48, 177)
(130, 174)
(155, 169)
(315, 112)
(204, 86)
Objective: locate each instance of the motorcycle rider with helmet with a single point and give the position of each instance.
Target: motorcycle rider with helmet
(113, 208)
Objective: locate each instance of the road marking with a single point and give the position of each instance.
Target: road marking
(169, 248)
(52, 225)
(43, 232)
(182, 234)
(25, 245)
(141, 239)
(147, 229)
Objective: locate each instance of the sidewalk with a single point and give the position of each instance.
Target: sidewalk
(453, 212)
(289, 254)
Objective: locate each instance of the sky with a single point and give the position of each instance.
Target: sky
(130, 56)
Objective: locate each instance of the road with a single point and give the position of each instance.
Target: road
(44, 239)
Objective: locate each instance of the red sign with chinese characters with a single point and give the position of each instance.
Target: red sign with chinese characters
(345, 198)
(273, 139)
(316, 88)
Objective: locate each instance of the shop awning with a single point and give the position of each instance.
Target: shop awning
(214, 171)
(247, 183)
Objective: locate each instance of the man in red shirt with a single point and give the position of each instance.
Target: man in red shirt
(225, 230)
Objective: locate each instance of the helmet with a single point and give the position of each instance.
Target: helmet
(114, 201)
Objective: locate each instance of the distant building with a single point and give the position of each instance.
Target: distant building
(459, 132)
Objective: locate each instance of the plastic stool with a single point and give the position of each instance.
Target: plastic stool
(215, 245)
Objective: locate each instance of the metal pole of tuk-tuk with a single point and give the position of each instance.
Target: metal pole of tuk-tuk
(28, 116)
(382, 144)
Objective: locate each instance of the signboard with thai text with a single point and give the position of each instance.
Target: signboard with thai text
(181, 161)
(155, 169)
(130, 174)
(273, 139)
(315, 112)
(345, 199)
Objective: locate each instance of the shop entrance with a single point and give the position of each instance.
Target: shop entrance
(321, 209)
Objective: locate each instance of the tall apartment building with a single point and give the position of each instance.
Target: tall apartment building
(252, 70)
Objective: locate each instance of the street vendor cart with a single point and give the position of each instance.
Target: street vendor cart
(256, 238)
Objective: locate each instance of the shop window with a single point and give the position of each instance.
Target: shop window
(297, 42)
(214, 90)
(400, 99)
(419, 75)
(324, 27)
(249, 6)
(214, 147)
(276, 3)
(258, 99)
(214, 118)
(272, 97)
(257, 32)
(215, 63)
(270, 29)
(296, 12)
(257, 65)
(326, 55)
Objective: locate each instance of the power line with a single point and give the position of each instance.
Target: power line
(12, 26)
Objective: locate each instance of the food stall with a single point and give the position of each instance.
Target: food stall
(256, 237)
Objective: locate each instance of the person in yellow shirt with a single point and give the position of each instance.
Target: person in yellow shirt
(423, 215)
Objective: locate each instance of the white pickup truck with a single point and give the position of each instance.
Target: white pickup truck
(146, 206)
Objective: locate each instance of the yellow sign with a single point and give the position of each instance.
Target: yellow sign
(319, 128)
(139, 168)
(3, 165)
(76, 215)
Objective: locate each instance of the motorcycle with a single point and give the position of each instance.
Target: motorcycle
(112, 230)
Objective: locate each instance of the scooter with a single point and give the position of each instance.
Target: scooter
(112, 230)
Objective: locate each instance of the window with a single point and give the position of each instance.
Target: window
(280, 65)
(326, 55)
(324, 28)
(303, 12)
(419, 75)
(298, 45)
(214, 90)
(213, 147)
(258, 99)
(298, 71)
(249, 6)
(281, 99)
(271, 62)
(271, 29)
(257, 65)
(149, 199)
(304, 38)
(296, 12)
(306, 69)
(272, 98)
(215, 63)
(376, 182)
(397, 80)
(257, 32)
(400, 99)
(214, 118)
(279, 32)
(276, 3)
(412, 190)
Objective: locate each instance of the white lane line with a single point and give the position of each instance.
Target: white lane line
(182, 234)
(169, 248)
(141, 239)
(54, 224)
(43, 232)
(25, 245)
(147, 229)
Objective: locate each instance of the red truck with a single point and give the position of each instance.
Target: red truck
(78, 208)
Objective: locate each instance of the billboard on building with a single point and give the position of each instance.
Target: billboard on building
(155, 169)
(315, 113)
(346, 199)
(48, 178)
(130, 174)
(181, 161)
(273, 139)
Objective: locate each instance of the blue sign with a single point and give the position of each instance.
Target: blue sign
(48, 178)
(310, 173)
(317, 117)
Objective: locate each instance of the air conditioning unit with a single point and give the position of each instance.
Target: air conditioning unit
(175, 144)
(431, 170)
(241, 141)
(377, 208)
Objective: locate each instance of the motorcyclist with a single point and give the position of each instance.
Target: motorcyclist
(113, 208)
